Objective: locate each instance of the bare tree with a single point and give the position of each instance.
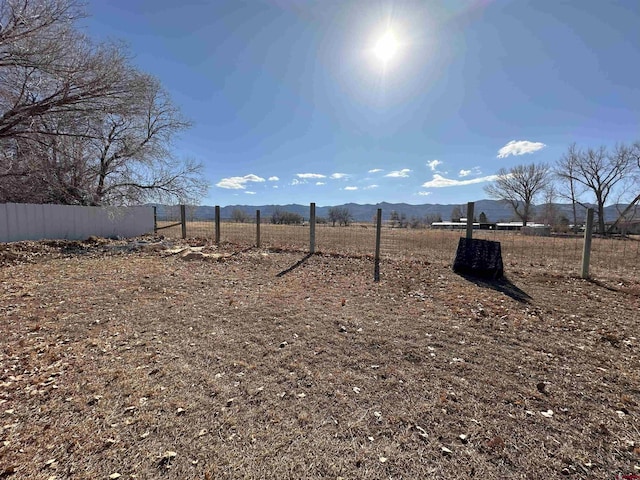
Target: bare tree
(632, 185)
(397, 219)
(394, 218)
(122, 157)
(240, 216)
(519, 187)
(16, 177)
(456, 214)
(416, 222)
(570, 189)
(341, 215)
(79, 124)
(37, 24)
(548, 213)
(48, 67)
(282, 217)
(431, 218)
(130, 157)
(598, 171)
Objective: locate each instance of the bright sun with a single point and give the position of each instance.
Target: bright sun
(386, 47)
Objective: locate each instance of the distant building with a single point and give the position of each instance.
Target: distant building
(519, 226)
(462, 225)
(630, 227)
(487, 226)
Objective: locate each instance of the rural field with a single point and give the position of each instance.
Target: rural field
(560, 254)
(123, 359)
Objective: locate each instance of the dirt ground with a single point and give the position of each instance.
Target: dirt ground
(121, 361)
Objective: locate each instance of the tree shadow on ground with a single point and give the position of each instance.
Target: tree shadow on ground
(295, 265)
(503, 285)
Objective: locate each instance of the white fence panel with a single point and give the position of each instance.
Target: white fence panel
(21, 221)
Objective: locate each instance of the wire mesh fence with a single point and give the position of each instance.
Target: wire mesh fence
(555, 253)
(561, 253)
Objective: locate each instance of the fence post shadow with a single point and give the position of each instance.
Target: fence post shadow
(295, 265)
(601, 284)
(503, 285)
(376, 259)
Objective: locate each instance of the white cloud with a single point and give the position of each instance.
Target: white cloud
(295, 181)
(433, 164)
(439, 181)
(310, 175)
(376, 170)
(424, 194)
(320, 183)
(238, 183)
(370, 187)
(350, 188)
(519, 147)
(250, 193)
(473, 171)
(399, 173)
(273, 179)
(337, 176)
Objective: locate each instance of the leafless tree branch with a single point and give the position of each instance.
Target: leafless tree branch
(519, 186)
(79, 124)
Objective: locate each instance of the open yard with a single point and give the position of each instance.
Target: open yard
(126, 362)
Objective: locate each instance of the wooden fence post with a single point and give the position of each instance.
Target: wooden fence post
(183, 220)
(376, 265)
(258, 228)
(155, 220)
(586, 251)
(470, 208)
(217, 224)
(312, 228)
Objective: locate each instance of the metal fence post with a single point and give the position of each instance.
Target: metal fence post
(470, 208)
(586, 251)
(312, 228)
(217, 223)
(183, 220)
(376, 266)
(258, 228)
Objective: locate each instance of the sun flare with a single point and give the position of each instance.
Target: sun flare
(386, 47)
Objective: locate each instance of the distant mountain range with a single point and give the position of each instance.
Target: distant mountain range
(495, 210)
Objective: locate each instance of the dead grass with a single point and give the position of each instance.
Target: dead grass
(559, 254)
(248, 368)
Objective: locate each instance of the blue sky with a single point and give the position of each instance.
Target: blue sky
(290, 103)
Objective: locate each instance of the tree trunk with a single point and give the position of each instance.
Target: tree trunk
(601, 217)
